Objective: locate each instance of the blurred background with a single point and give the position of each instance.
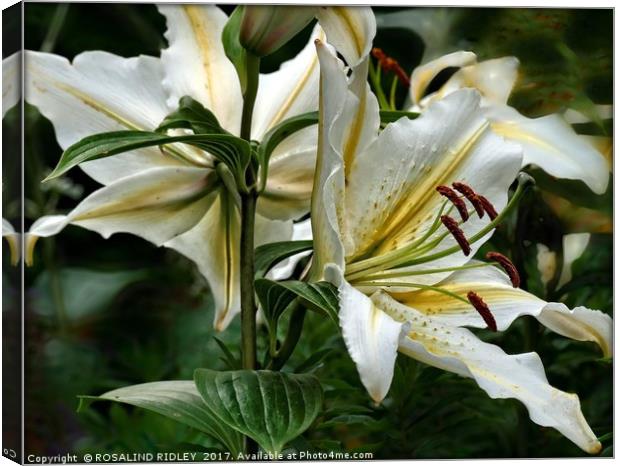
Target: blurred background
(103, 314)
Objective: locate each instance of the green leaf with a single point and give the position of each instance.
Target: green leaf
(231, 150)
(191, 114)
(228, 358)
(178, 400)
(314, 361)
(268, 255)
(277, 134)
(321, 297)
(390, 116)
(233, 48)
(270, 407)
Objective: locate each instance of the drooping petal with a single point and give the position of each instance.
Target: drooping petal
(391, 198)
(100, 92)
(506, 304)
(301, 231)
(350, 29)
(551, 143)
(156, 205)
(288, 190)
(195, 63)
(519, 376)
(11, 81)
(573, 246)
(290, 91)
(423, 75)
(371, 336)
(494, 79)
(13, 240)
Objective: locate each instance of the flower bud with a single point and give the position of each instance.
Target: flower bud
(264, 28)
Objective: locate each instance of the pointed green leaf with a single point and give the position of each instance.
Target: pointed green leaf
(191, 114)
(178, 400)
(268, 255)
(231, 150)
(320, 297)
(270, 407)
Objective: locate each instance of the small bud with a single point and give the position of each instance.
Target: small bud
(265, 28)
(456, 200)
(483, 310)
(507, 265)
(459, 236)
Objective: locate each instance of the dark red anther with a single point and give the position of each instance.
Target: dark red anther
(471, 196)
(507, 265)
(453, 197)
(483, 310)
(488, 207)
(453, 227)
(389, 64)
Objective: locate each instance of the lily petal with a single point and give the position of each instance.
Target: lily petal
(12, 238)
(195, 63)
(96, 93)
(11, 81)
(551, 143)
(423, 75)
(573, 246)
(520, 376)
(506, 304)
(289, 91)
(350, 29)
(371, 336)
(288, 190)
(391, 198)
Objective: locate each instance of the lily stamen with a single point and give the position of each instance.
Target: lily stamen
(453, 227)
(471, 196)
(456, 200)
(478, 303)
(388, 63)
(488, 207)
(507, 265)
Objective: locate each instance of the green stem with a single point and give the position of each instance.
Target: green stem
(393, 93)
(248, 306)
(49, 42)
(375, 78)
(249, 96)
(295, 326)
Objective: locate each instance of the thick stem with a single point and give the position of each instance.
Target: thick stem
(248, 306)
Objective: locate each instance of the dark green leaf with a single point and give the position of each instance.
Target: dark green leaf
(233, 48)
(191, 114)
(229, 359)
(320, 297)
(178, 400)
(270, 407)
(232, 151)
(268, 255)
(390, 116)
(314, 361)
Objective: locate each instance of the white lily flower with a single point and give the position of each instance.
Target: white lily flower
(405, 282)
(173, 197)
(549, 141)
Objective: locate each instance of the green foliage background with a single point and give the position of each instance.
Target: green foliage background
(105, 314)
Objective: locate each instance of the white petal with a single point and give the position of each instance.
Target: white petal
(371, 337)
(350, 29)
(506, 304)
(604, 112)
(546, 262)
(301, 231)
(494, 79)
(391, 199)
(96, 93)
(288, 190)
(328, 190)
(573, 246)
(13, 240)
(11, 81)
(423, 75)
(551, 143)
(290, 91)
(520, 376)
(195, 63)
